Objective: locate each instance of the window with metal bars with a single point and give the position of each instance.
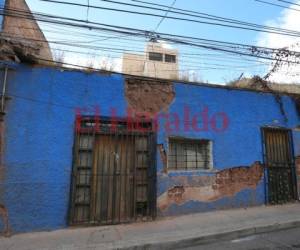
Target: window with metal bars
(189, 154)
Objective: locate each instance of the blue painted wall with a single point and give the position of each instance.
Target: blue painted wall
(239, 145)
(39, 138)
(2, 4)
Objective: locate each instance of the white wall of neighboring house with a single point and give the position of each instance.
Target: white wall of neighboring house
(144, 65)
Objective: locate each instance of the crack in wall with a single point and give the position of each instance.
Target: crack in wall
(163, 156)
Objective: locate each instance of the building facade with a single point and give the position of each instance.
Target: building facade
(98, 148)
(157, 61)
(21, 38)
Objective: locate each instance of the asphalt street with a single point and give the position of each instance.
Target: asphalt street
(286, 239)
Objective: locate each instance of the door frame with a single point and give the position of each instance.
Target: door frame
(293, 165)
(79, 120)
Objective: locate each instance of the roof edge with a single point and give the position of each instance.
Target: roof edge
(175, 81)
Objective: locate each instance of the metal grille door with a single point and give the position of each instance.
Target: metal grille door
(114, 174)
(279, 162)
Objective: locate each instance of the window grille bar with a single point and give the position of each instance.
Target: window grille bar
(114, 174)
(187, 154)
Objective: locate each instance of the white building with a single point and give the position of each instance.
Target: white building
(158, 61)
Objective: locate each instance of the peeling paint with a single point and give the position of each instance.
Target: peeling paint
(33, 176)
(163, 155)
(151, 96)
(298, 165)
(4, 216)
(226, 183)
(233, 180)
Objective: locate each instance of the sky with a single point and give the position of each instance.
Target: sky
(207, 66)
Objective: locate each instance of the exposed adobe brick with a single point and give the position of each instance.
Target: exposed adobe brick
(4, 216)
(225, 183)
(150, 96)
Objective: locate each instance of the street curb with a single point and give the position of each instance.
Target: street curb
(205, 239)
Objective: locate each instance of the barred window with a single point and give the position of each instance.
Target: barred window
(189, 154)
(170, 58)
(154, 56)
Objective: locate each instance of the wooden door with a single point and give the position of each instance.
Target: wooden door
(113, 183)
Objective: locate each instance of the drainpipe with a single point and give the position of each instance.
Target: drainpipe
(4, 90)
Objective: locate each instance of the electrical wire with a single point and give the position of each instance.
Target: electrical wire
(290, 33)
(284, 1)
(163, 18)
(121, 29)
(277, 5)
(186, 41)
(194, 14)
(143, 33)
(182, 54)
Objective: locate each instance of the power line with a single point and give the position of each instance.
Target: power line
(167, 34)
(163, 18)
(286, 33)
(104, 70)
(204, 43)
(131, 40)
(182, 54)
(229, 66)
(116, 49)
(120, 29)
(277, 5)
(142, 60)
(87, 10)
(200, 14)
(254, 50)
(132, 31)
(289, 2)
(109, 49)
(122, 51)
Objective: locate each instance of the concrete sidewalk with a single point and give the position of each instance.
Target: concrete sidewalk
(169, 233)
